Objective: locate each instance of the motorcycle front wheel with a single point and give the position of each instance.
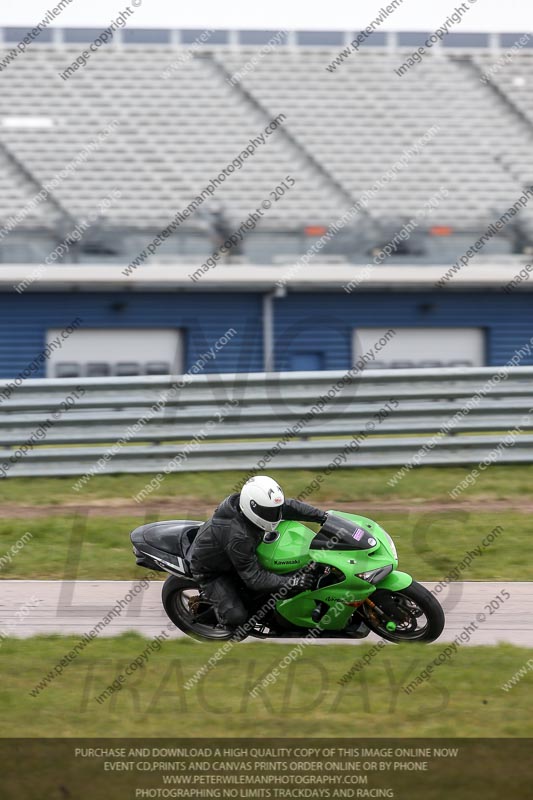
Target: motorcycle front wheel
(409, 615)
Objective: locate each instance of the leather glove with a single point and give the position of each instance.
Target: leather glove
(300, 582)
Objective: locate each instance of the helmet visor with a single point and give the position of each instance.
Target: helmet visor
(268, 513)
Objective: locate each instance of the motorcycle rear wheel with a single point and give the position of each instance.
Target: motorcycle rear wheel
(177, 595)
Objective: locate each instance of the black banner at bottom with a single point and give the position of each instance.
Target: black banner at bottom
(132, 769)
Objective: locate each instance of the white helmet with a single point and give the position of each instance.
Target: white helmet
(261, 501)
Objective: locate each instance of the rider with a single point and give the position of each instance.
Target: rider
(225, 546)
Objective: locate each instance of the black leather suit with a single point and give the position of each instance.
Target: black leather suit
(225, 548)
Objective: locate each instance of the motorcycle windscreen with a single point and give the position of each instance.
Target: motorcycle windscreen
(346, 534)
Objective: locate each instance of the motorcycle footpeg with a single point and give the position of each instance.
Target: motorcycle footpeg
(319, 612)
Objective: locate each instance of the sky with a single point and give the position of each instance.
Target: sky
(483, 15)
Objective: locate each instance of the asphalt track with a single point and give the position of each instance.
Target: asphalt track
(29, 608)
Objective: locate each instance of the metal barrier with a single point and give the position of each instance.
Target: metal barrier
(290, 420)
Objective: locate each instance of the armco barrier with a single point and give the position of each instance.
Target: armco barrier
(231, 421)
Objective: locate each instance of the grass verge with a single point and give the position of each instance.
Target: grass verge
(430, 545)
(424, 483)
(463, 697)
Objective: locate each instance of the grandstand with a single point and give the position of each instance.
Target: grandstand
(179, 118)
(138, 139)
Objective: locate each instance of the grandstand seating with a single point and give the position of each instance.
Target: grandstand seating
(174, 135)
(359, 119)
(343, 130)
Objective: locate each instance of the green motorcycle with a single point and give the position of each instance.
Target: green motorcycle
(356, 583)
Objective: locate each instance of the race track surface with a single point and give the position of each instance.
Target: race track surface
(28, 608)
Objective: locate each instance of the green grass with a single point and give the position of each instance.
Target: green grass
(430, 545)
(462, 697)
(425, 483)
(71, 547)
